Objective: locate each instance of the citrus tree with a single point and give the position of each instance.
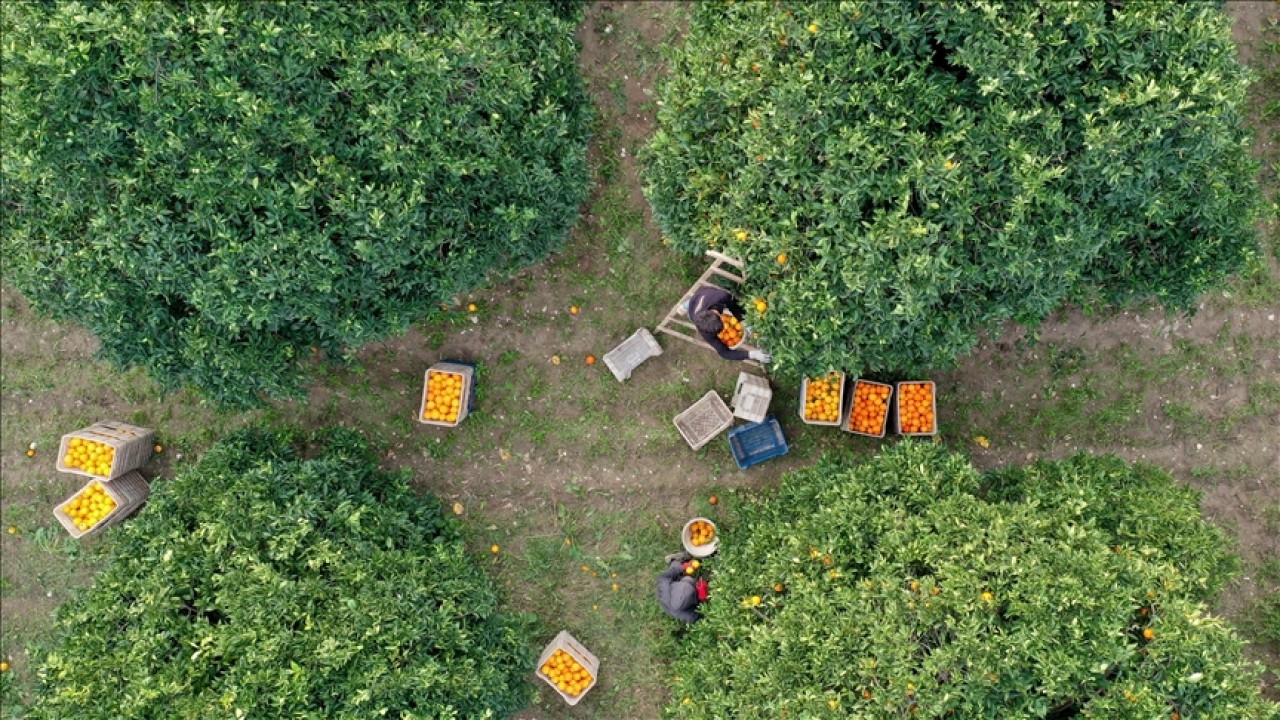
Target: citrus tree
(214, 189)
(899, 178)
(911, 585)
(280, 579)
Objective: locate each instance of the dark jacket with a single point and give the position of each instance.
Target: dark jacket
(677, 594)
(717, 299)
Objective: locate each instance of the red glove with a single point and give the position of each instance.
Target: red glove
(702, 589)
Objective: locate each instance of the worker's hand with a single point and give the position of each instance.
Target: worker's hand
(760, 356)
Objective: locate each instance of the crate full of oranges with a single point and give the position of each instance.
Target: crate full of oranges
(917, 408)
(446, 394)
(869, 409)
(102, 503)
(568, 667)
(105, 450)
(732, 331)
(822, 399)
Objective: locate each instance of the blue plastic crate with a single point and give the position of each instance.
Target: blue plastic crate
(753, 444)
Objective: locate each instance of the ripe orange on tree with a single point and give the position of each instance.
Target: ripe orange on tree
(444, 397)
(870, 408)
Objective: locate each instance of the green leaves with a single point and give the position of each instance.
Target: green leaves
(286, 578)
(942, 169)
(913, 580)
(213, 191)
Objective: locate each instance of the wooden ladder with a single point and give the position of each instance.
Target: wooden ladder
(677, 324)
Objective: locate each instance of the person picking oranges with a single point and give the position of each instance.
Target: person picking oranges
(718, 317)
(678, 592)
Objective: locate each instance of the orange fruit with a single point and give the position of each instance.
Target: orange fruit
(713, 500)
(591, 359)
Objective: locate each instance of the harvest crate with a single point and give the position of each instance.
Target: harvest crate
(751, 397)
(897, 408)
(566, 642)
(129, 491)
(457, 367)
(132, 444)
(853, 403)
(633, 351)
(753, 444)
(699, 551)
(804, 393)
(704, 420)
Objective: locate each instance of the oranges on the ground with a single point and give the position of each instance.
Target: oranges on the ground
(701, 533)
(731, 333)
(444, 396)
(915, 407)
(822, 398)
(567, 673)
(93, 457)
(870, 408)
(90, 506)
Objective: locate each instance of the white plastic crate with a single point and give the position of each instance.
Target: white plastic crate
(704, 420)
(751, 397)
(633, 351)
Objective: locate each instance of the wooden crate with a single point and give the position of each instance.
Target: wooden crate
(468, 391)
(751, 397)
(129, 491)
(704, 420)
(853, 399)
(133, 446)
(804, 393)
(897, 417)
(565, 641)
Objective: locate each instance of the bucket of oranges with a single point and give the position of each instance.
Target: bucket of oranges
(447, 391)
(568, 667)
(102, 503)
(917, 408)
(822, 399)
(105, 450)
(699, 537)
(732, 331)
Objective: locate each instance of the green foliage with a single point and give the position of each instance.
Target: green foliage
(214, 189)
(941, 168)
(278, 580)
(884, 568)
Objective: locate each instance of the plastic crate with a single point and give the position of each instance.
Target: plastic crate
(704, 420)
(804, 392)
(568, 643)
(853, 399)
(457, 367)
(751, 397)
(897, 418)
(133, 447)
(699, 551)
(753, 444)
(129, 491)
(633, 351)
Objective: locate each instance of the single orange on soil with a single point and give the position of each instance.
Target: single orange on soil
(566, 673)
(573, 310)
(731, 332)
(822, 398)
(870, 408)
(915, 407)
(701, 533)
(713, 499)
(591, 359)
(444, 397)
(1149, 634)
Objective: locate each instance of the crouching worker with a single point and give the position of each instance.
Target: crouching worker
(704, 310)
(678, 593)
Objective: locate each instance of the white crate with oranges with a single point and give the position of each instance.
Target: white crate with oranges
(822, 399)
(446, 394)
(568, 667)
